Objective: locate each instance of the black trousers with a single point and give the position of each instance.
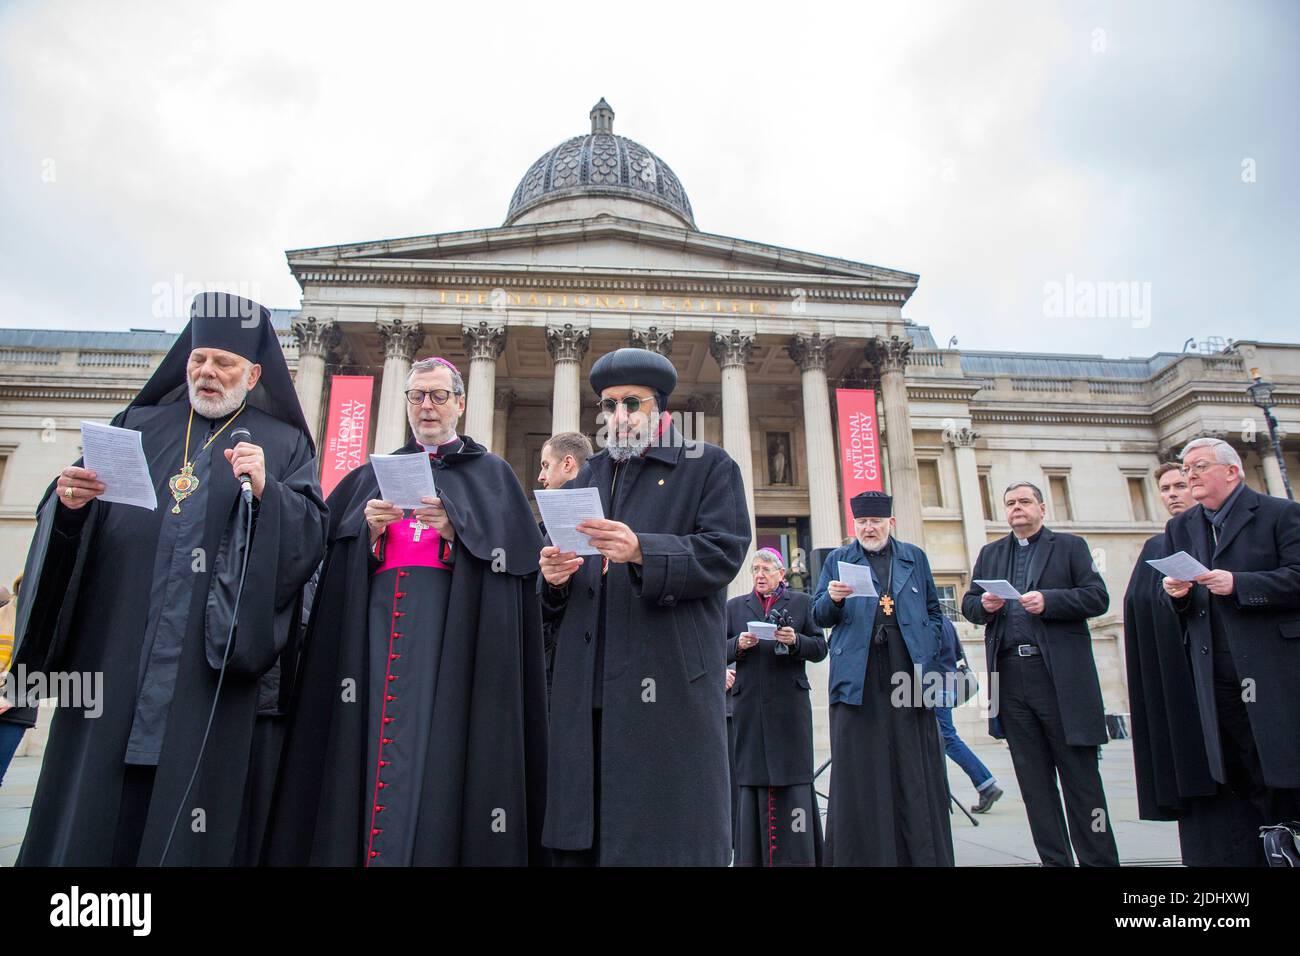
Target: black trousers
(1031, 720)
(1241, 756)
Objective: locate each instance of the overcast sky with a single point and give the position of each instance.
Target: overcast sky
(1012, 154)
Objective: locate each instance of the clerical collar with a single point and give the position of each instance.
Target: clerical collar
(1026, 542)
(445, 448)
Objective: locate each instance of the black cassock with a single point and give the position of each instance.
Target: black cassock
(777, 821)
(437, 756)
(128, 592)
(1215, 827)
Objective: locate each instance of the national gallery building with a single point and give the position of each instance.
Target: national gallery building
(599, 249)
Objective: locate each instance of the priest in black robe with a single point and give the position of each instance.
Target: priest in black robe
(1215, 826)
(418, 734)
(889, 786)
(147, 598)
(777, 821)
(638, 758)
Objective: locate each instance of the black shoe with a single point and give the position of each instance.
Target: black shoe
(988, 797)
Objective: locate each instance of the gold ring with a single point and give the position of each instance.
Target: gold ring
(67, 492)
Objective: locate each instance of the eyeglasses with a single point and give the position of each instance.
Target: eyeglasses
(632, 403)
(439, 396)
(1200, 468)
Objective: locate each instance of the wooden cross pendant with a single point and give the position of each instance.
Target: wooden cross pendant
(887, 605)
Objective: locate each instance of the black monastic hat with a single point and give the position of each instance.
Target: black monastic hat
(219, 320)
(872, 504)
(631, 366)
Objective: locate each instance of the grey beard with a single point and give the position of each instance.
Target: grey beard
(220, 407)
(877, 546)
(628, 449)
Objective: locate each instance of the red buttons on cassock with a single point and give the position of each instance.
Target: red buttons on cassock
(401, 594)
(390, 697)
(373, 854)
(389, 720)
(388, 740)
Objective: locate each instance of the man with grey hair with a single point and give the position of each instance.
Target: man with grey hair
(1039, 651)
(1241, 621)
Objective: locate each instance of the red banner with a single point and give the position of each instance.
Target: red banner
(859, 446)
(347, 428)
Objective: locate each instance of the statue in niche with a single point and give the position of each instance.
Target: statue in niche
(778, 458)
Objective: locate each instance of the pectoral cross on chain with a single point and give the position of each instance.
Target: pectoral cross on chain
(419, 527)
(887, 605)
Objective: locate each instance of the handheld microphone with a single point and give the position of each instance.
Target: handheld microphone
(245, 483)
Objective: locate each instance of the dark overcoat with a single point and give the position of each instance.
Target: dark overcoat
(664, 793)
(1260, 545)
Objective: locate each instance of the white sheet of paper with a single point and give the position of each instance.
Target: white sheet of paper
(116, 456)
(404, 479)
(762, 630)
(858, 577)
(1181, 566)
(562, 509)
(1000, 588)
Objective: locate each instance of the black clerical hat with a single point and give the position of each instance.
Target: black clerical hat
(229, 323)
(634, 367)
(872, 504)
(222, 321)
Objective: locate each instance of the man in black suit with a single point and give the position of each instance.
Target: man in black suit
(1043, 678)
(777, 822)
(1242, 625)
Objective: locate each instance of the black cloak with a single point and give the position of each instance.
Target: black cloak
(489, 750)
(86, 608)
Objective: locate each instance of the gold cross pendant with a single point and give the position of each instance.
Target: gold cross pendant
(419, 527)
(887, 605)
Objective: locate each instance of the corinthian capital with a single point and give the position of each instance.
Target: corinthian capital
(889, 354)
(810, 351)
(652, 340)
(400, 339)
(567, 343)
(484, 341)
(315, 337)
(732, 348)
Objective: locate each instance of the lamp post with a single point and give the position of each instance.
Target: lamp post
(1261, 393)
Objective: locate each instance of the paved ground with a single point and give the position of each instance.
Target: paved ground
(1001, 839)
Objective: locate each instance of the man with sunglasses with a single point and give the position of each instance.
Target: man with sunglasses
(419, 734)
(638, 762)
(1241, 625)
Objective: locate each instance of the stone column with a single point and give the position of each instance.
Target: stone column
(889, 355)
(484, 343)
(315, 340)
(968, 491)
(400, 340)
(731, 352)
(1272, 471)
(504, 399)
(567, 346)
(811, 353)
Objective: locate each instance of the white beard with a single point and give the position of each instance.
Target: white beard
(875, 547)
(628, 448)
(217, 407)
